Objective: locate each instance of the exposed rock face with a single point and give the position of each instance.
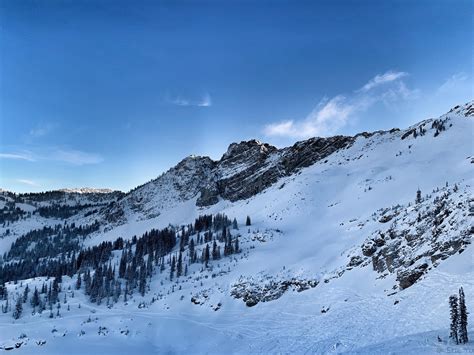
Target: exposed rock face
(252, 292)
(248, 168)
(419, 236)
(244, 169)
(408, 277)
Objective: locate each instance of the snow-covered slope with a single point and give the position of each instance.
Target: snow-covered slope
(343, 253)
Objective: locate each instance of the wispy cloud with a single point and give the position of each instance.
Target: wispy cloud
(330, 115)
(381, 79)
(16, 156)
(452, 82)
(71, 156)
(27, 182)
(204, 101)
(77, 157)
(40, 130)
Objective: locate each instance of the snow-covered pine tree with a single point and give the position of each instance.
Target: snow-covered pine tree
(462, 326)
(453, 306)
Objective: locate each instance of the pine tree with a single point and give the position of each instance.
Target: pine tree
(418, 196)
(35, 299)
(191, 252)
(179, 265)
(25, 293)
(78, 281)
(123, 264)
(206, 254)
(453, 305)
(18, 308)
(462, 326)
(236, 245)
(215, 256)
(248, 222)
(173, 266)
(234, 224)
(142, 283)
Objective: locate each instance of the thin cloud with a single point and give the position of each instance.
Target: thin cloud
(27, 182)
(381, 79)
(77, 157)
(179, 101)
(204, 101)
(16, 156)
(452, 82)
(330, 115)
(71, 156)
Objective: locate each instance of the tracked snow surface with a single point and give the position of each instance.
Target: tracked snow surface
(342, 254)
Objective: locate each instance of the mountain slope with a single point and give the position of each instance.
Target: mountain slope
(343, 254)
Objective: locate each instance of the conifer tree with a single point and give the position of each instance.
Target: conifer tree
(453, 305)
(18, 308)
(462, 326)
(215, 255)
(236, 245)
(172, 268)
(248, 222)
(25, 293)
(179, 265)
(206, 254)
(191, 251)
(78, 281)
(418, 196)
(35, 299)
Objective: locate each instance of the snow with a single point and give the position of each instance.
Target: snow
(304, 226)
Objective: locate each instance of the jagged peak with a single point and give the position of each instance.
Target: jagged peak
(193, 160)
(237, 148)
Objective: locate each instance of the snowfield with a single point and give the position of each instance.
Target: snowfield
(310, 285)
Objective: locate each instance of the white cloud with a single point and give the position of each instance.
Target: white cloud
(327, 118)
(382, 79)
(330, 115)
(27, 182)
(179, 101)
(452, 82)
(16, 156)
(204, 101)
(71, 156)
(76, 157)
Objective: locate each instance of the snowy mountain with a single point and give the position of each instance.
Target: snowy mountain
(333, 245)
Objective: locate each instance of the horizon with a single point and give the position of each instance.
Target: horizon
(118, 93)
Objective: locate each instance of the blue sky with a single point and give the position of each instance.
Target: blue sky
(113, 93)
